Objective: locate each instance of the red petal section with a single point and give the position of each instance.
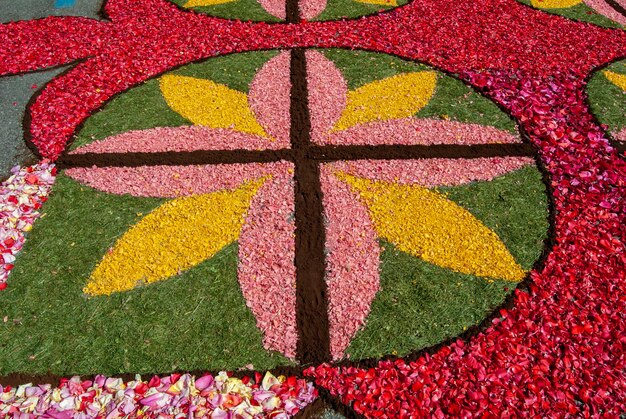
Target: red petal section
(559, 350)
(151, 36)
(53, 41)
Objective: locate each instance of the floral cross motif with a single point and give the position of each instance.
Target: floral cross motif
(542, 87)
(300, 108)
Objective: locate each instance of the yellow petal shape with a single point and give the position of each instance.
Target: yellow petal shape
(395, 97)
(207, 103)
(197, 3)
(555, 4)
(174, 237)
(616, 78)
(426, 224)
(379, 2)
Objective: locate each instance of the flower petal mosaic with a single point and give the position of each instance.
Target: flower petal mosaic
(277, 207)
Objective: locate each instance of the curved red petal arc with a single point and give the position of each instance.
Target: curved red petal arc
(56, 40)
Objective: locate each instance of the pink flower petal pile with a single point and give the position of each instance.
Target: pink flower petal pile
(21, 196)
(172, 396)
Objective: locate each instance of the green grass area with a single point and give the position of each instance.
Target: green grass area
(514, 206)
(338, 9)
(144, 107)
(421, 304)
(607, 101)
(239, 9)
(452, 98)
(197, 320)
(582, 13)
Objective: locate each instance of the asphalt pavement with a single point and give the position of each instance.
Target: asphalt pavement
(16, 91)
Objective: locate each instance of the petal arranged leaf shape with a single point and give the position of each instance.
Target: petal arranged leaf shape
(269, 97)
(603, 8)
(395, 97)
(174, 237)
(310, 9)
(426, 224)
(616, 78)
(205, 102)
(198, 3)
(424, 131)
(171, 181)
(352, 262)
(555, 4)
(379, 2)
(276, 8)
(267, 274)
(185, 138)
(327, 94)
(433, 172)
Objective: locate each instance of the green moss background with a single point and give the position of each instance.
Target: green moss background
(422, 304)
(581, 12)
(199, 319)
(607, 101)
(238, 9)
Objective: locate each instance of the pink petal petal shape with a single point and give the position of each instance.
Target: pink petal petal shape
(172, 181)
(410, 131)
(433, 172)
(602, 7)
(269, 97)
(267, 274)
(328, 92)
(310, 9)
(277, 8)
(352, 263)
(185, 138)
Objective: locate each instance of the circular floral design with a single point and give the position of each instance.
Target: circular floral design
(547, 355)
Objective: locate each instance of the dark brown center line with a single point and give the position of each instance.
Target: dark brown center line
(327, 153)
(311, 290)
